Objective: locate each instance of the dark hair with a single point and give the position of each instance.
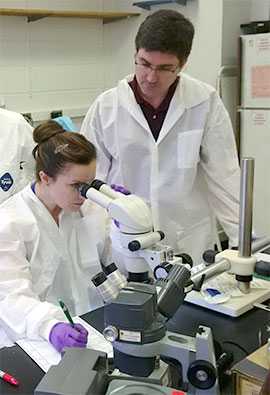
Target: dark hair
(56, 147)
(166, 31)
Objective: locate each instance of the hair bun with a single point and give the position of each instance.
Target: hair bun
(42, 134)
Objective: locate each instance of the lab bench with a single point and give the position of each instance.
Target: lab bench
(234, 334)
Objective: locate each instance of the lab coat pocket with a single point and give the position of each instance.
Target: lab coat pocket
(188, 148)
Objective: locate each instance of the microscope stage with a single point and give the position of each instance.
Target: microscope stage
(238, 303)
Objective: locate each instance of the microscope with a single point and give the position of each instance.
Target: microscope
(132, 233)
(136, 311)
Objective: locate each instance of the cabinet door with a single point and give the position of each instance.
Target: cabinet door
(255, 70)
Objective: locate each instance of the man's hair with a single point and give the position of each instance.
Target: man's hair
(166, 31)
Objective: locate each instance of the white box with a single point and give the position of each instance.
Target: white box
(255, 142)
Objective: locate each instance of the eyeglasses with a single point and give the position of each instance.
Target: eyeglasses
(162, 69)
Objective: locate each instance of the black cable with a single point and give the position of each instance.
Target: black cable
(175, 372)
(237, 345)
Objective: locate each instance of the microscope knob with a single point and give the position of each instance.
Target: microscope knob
(161, 271)
(202, 374)
(186, 259)
(110, 333)
(209, 256)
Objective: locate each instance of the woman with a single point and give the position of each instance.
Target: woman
(51, 244)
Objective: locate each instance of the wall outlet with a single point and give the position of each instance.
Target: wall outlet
(56, 114)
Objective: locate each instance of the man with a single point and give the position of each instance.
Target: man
(16, 160)
(168, 138)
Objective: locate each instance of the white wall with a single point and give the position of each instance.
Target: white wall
(234, 14)
(205, 56)
(59, 63)
(217, 28)
(260, 10)
(53, 63)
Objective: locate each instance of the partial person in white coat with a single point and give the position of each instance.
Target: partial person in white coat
(17, 164)
(52, 242)
(167, 137)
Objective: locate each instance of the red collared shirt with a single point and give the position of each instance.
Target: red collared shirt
(154, 116)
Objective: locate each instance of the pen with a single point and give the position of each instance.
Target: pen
(8, 378)
(66, 312)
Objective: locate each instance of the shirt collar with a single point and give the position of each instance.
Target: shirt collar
(141, 101)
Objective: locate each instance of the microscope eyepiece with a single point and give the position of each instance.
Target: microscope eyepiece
(99, 279)
(83, 188)
(97, 184)
(110, 268)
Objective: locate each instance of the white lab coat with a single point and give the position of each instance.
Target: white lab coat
(17, 164)
(190, 173)
(41, 263)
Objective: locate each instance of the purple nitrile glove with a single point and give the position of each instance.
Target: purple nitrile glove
(121, 189)
(65, 335)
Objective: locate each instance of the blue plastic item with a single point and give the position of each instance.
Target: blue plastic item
(146, 4)
(66, 123)
(212, 291)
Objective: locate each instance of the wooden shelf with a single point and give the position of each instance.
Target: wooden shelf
(35, 14)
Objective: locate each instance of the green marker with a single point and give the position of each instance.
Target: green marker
(66, 312)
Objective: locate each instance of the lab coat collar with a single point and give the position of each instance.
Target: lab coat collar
(192, 92)
(128, 101)
(41, 209)
(189, 93)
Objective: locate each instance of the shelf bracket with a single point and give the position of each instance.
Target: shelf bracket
(110, 20)
(146, 5)
(33, 18)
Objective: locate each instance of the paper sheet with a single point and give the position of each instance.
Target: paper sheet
(41, 352)
(45, 355)
(226, 283)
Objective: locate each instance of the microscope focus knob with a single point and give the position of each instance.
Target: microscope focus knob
(110, 333)
(161, 271)
(209, 257)
(186, 259)
(202, 374)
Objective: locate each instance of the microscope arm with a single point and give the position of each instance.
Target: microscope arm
(241, 263)
(229, 261)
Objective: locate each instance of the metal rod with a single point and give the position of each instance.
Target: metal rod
(260, 244)
(246, 206)
(224, 265)
(211, 271)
